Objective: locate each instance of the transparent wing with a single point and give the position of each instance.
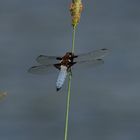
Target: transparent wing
(93, 55)
(87, 64)
(93, 62)
(42, 69)
(47, 60)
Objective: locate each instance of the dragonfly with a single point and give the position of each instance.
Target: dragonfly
(65, 63)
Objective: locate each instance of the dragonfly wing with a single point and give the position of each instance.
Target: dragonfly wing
(93, 55)
(87, 64)
(93, 62)
(46, 60)
(42, 69)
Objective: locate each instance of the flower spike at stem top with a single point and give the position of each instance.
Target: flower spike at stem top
(76, 8)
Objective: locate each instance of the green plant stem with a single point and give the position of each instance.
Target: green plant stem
(68, 106)
(69, 90)
(73, 39)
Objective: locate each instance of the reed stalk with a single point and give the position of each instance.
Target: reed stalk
(69, 90)
(75, 11)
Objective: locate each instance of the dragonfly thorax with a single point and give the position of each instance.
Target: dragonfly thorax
(67, 60)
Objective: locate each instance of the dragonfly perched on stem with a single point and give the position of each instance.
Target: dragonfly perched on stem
(65, 63)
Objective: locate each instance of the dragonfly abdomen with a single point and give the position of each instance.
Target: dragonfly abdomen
(61, 77)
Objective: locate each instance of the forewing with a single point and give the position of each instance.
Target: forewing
(42, 69)
(47, 60)
(93, 55)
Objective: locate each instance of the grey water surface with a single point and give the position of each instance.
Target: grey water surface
(105, 100)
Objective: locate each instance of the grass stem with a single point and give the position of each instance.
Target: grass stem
(69, 90)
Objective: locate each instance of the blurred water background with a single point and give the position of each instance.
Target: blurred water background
(105, 101)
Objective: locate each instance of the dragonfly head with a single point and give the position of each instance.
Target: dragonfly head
(69, 54)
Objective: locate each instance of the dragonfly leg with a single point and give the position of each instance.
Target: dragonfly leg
(58, 66)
